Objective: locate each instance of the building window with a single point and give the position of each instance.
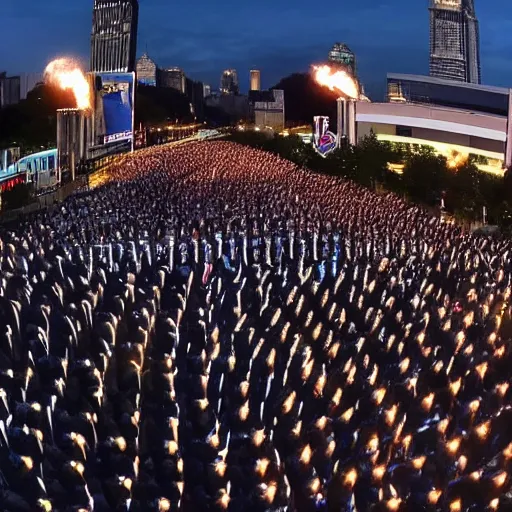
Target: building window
(404, 131)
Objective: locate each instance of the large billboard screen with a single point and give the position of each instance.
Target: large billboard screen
(114, 107)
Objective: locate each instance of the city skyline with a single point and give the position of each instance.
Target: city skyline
(204, 48)
(454, 41)
(114, 36)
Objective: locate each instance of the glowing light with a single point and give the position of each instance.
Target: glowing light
(453, 446)
(337, 80)
(379, 472)
(66, 74)
(456, 506)
(433, 496)
(351, 478)
(305, 456)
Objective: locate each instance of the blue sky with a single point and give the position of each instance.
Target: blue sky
(277, 36)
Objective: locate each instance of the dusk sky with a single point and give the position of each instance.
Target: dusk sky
(276, 36)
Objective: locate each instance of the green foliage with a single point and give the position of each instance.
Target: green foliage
(426, 178)
(158, 105)
(32, 123)
(305, 98)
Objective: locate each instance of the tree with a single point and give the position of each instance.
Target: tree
(158, 105)
(32, 123)
(372, 157)
(425, 177)
(305, 99)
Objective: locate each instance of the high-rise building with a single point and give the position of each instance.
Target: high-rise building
(195, 94)
(255, 80)
(229, 82)
(268, 109)
(146, 71)
(173, 78)
(29, 81)
(207, 90)
(9, 90)
(114, 36)
(454, 41)
(342, 55)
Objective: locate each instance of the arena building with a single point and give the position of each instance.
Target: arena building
(453, 132)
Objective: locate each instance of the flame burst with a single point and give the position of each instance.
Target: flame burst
(66, 74)
(337, 80)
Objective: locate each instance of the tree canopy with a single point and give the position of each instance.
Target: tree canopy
(426, 177)
(305, 98)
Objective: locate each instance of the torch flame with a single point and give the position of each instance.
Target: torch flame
(337, 80)
(66, 74)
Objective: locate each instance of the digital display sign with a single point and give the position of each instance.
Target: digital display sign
(114, 107)
(324, 141)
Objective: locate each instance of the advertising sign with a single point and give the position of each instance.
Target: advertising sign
(324, 141)
(114, 107)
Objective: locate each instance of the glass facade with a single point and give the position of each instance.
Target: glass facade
(341, 54)
(454, 41)
(146, 71)
(173, 78)
(445, 93)
(114, 36)
(229, 82)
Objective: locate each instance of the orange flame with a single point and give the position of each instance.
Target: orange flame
(337, 80)
(66, 74)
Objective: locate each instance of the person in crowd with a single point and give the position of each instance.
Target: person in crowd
(217, 329)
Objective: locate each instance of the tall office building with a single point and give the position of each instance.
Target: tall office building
(255, 80)
(229, 82)
(10, 87)
(454, 41)
(114, 35)
(30, 81)
(146, 71)
(173, 78)
(342, 55)
(207, 90)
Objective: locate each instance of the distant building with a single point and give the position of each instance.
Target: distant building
(114, 35)
(146, 71)
(173, 78)
(255, 80)
(342, 55)
(454, 41)
(229, 82)
(449, 131)
(235, 107)
(28, 82)
(268, 109)
(10, 90)
(207, 90)
(195, 94)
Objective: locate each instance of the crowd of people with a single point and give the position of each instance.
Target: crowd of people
(218, 329)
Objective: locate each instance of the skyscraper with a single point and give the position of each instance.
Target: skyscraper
(114, 35)
(173, 78)
(229, 82)
(9, 90)
(146, 71)
(454, 41)
(255, 80)
(342, 55)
